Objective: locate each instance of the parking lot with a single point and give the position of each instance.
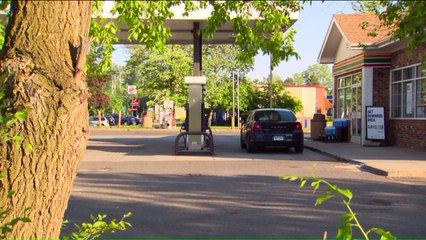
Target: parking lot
(231, 194)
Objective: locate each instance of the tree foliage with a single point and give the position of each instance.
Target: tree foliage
(96, 80)
(265, 33)
(319, 75)
(103, 33)
(221, 68)
(407, 19)
(299, 78)
(115, 89)
(159, 75)
(366, 6)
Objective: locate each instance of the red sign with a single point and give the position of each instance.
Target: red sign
(131, 89)
(134, 102)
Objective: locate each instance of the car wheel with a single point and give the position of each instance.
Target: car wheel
(243, 145)
(250, 145)
(298, 148)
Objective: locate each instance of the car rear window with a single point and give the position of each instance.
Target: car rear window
(274, 115)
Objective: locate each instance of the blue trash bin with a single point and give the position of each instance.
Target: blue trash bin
(330, 133)
(342, 129)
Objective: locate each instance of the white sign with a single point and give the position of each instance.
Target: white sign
(168, 104)
(195, 80)
(375, 123)
(131, 89)
(409, 98)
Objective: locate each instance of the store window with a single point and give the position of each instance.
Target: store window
(408, 92)
(348, 96)
(350, 101)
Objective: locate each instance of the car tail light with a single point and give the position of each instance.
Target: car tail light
(298, 125)
(257, 126)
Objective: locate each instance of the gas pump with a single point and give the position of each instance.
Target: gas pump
(195, 135)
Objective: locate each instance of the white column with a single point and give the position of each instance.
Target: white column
(367, 97)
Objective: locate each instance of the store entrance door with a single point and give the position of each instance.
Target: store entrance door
(356, 114)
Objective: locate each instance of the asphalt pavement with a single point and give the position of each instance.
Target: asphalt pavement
(238, 195)
(390, 161)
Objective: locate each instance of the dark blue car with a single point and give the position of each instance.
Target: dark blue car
(271, 127)
(126, 120)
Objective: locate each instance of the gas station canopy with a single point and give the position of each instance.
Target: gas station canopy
(182, 26)
(197, 135)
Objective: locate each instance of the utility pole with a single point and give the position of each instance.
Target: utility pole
(233, 103)
(238, 99)
(270, 81)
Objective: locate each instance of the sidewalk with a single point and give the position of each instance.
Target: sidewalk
(387, 161)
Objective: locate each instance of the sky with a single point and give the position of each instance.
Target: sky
(311, 26)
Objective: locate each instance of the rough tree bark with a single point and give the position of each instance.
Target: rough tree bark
(43, 57)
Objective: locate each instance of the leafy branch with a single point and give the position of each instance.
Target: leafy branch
(99, 226)
(349, 219)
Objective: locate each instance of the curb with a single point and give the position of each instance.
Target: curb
(361, 165)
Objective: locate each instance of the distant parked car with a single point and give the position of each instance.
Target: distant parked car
(126, 120)
(130, 120)
(94, 121)
(111, 120)
(271, 127)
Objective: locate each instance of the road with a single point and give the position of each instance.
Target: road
(231, 194)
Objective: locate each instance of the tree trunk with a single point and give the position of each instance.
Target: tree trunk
(43, 56)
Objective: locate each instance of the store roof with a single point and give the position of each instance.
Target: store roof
(347, 27)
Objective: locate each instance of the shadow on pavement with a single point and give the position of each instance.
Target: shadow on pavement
(205, 206)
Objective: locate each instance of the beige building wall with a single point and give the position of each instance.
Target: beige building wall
(344, 51)
(308, 97)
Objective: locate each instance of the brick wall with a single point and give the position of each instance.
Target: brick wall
(408, 133)
(381, 92)
(381, 86)
(402, 58)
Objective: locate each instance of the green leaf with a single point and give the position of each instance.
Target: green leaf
(25, 219)
(302, 183)
(29, 145)
(17, 138)
(21, 115)
(323, 198)
(347, 217)
(10, 122)
(346, 192)
(290, 177)
(344, 231)
(383, 233)
(315, 184)
(100, 224)
(10, 193)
